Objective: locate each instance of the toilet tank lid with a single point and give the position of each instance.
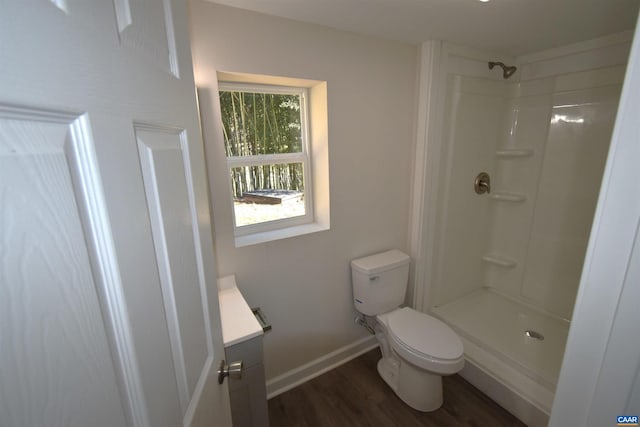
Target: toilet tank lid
(378, 263)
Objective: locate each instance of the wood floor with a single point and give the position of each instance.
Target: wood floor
(355, 395)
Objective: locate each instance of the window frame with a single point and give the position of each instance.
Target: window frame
(303, 157)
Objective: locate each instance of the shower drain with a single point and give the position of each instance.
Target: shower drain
(533, 334)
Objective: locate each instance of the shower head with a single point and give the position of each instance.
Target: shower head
(507, 71)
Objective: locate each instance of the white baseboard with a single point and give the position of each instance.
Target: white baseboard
(319, 366)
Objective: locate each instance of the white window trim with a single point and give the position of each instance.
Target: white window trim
(284, 227)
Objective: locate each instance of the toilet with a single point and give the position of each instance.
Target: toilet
(417, 349)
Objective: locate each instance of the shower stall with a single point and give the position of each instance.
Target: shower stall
(513, 171)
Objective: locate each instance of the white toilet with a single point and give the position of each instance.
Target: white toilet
(417, 349)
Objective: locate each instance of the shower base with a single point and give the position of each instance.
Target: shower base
(516, 345)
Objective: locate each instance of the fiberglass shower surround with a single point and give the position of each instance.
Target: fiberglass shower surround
(510, 260)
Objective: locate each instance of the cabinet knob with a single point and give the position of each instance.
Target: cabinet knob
(233, 370)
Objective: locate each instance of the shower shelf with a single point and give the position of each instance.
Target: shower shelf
(514, 152)
(508, 197)
(500, 260)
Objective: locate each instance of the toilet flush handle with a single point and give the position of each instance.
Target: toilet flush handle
(373, 278)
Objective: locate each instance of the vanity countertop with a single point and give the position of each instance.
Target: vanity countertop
(238, 321)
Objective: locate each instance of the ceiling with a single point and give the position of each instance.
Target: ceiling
(511, 27)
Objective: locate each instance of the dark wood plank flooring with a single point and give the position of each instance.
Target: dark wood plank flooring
(355, 395)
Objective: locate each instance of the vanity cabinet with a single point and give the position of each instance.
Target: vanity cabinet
(242, 336)
(248, 394)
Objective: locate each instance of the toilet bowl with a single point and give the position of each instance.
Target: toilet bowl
(424, 341)
(417, 349)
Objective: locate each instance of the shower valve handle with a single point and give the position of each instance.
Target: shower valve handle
(482, 183)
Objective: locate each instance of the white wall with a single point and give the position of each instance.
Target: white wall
(303, 283)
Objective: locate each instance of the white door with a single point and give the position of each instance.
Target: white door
(108, 302)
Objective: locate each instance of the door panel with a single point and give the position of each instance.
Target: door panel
(55, 366)
(168, 198)
(147, 26)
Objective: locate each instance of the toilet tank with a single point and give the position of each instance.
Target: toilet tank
(379, 281)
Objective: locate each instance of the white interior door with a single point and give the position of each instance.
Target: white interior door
(108, 302)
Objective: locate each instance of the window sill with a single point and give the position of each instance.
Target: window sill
(284, 233)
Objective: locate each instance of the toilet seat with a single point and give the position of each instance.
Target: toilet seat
(424, 341)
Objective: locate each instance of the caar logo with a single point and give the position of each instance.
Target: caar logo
(627, 420)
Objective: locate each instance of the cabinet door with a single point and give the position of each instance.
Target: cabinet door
(249, 393)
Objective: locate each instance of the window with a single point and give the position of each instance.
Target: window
(266, 143)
